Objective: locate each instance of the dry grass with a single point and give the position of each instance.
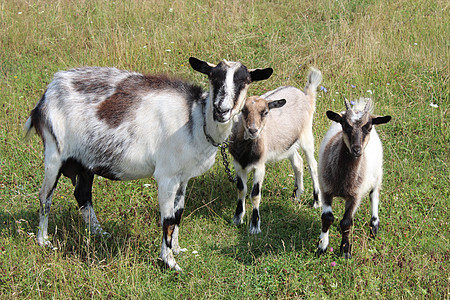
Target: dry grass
(396, 50)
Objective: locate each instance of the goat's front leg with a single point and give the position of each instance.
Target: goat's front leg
(327, 220)
(83, 195)
(346, 225)
(170, 219)
(242, 192)
(255, 224)
(374, 200)
(178, 207)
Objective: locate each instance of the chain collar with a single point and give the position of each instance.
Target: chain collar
(208, 137)
(223, 146)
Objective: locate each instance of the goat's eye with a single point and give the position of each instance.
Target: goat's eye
(346, 127)
(366, 128)
(245, 111)
(264, 113)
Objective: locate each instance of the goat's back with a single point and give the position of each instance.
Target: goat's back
(115, 118)
(291, 119)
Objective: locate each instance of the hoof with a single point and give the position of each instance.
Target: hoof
(237, 220)
(178, 250)
(374, 226)
(254, 229)
(170, 263)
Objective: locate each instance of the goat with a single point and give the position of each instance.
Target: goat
(350, 165)
(265, 134)
(123, 125)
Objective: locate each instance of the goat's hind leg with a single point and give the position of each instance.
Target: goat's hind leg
(374, 200)
(297, 165)
(52, 174)
(308, 149)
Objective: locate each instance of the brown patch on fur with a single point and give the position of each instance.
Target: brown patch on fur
(116, 108)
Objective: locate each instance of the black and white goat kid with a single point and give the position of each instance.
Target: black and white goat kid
(272, 128)
(124, 125)
(350, 166)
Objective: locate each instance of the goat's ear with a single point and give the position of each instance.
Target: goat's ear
(260, 74)
(200, 65)
(334, 116)
(276, 103)
(380, 120)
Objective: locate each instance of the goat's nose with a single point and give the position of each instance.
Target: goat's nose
(221, 110)
(252, 130)
(356, 150)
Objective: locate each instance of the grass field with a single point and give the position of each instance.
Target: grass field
(396, 52)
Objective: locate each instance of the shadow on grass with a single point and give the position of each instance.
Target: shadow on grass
(69, 235)
(286, 225)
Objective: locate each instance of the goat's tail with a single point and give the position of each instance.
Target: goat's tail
(29, 128)
(35, 122)
(314, 79)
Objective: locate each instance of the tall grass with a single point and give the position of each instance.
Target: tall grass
(396, 52)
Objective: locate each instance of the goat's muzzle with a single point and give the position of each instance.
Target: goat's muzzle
(356, 151)
(221, 115)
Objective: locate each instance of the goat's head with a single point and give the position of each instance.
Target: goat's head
(254, 114)
(356, 125)
(229, 82)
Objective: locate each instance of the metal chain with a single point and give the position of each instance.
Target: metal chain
(226, 164)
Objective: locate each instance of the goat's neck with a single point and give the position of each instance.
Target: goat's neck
(216, 133)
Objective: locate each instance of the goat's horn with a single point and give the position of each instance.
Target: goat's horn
(368, 105)
(347, 104)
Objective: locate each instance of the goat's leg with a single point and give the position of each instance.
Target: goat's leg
(178, 207)
(255, 224)
(52, 174)
(327, 220)
(242, 192)
(346, 225)
(308, 148)
(167, 189)
(375, 199)
(83, 194)
(297, 165)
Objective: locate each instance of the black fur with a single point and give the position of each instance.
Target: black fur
(255, 190)
(245, 152)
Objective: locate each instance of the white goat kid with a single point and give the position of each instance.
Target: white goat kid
(265, 134)
(123, 125)
(350, 165)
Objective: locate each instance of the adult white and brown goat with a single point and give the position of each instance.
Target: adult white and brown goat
(350, 165)
(272, 127)
(123, 125)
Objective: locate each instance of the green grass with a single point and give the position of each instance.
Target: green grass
(399, 50)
